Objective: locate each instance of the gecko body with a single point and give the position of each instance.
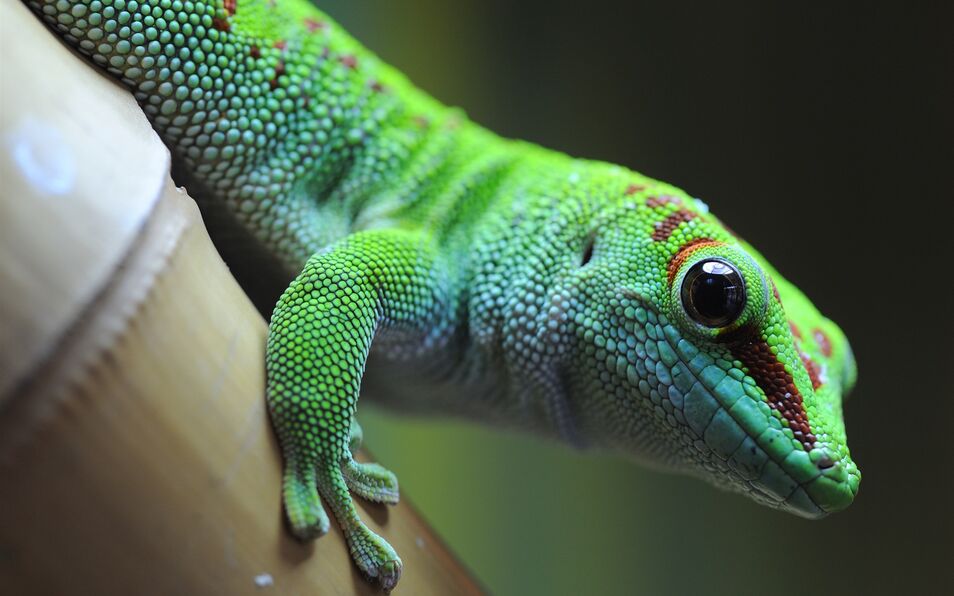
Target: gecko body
(445, 269)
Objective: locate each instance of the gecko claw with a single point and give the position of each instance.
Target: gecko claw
(377, 560)
(390, 574)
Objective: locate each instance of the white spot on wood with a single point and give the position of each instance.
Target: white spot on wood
(264, 580)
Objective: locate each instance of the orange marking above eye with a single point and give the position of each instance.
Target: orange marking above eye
(684, 252)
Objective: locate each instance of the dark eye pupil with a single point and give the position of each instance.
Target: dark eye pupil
(713, 293)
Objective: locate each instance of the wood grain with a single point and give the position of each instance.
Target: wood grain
(136, 456)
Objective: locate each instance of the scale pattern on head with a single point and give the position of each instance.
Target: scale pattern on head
(688, 326)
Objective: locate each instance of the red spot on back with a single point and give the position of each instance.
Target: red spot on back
(796, 332)
(633, 189)
(376, 86)
(684, 252)
(230, 6)
(824, 344)
(314, 25)
(666, 227)
(279, 71)
(778, 385)
(221, 24)
(280, 44)
(254, 52)
(350, 61)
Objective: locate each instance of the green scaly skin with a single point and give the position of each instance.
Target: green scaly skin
(479, 276)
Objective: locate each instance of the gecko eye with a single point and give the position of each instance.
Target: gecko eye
(713, 293)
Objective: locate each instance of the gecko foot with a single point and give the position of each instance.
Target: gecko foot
(371, 553)
(371, 481)
(376, 559)
(306, 516)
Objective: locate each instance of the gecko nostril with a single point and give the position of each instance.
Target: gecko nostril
(588, 251)
(825, 462)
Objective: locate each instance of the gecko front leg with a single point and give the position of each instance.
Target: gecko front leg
(319, 339)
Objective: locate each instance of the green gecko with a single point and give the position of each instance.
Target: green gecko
(473, 275)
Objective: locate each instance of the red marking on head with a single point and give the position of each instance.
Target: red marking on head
(230, 6)
(824, 344)
(684, 252)
(660, 201)
(349, 60)
(633, 189)
(779, 387)
(254, 52)
(666, 227)
(796, 332)
(313, 25)
(814, 371)
(222, 25)
(280, 44)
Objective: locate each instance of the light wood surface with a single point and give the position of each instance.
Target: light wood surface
(136, 455)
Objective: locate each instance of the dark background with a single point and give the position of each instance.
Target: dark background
(821, 132)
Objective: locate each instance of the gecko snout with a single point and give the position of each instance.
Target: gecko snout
(836, 485)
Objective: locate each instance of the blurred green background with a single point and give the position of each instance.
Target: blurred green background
(822, 132)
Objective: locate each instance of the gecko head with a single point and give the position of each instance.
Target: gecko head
(701, 338)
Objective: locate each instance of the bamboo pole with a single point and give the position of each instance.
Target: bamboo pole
(136, 455)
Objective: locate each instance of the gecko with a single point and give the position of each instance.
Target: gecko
(437, 267)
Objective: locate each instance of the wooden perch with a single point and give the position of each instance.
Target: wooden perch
(136, 455)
